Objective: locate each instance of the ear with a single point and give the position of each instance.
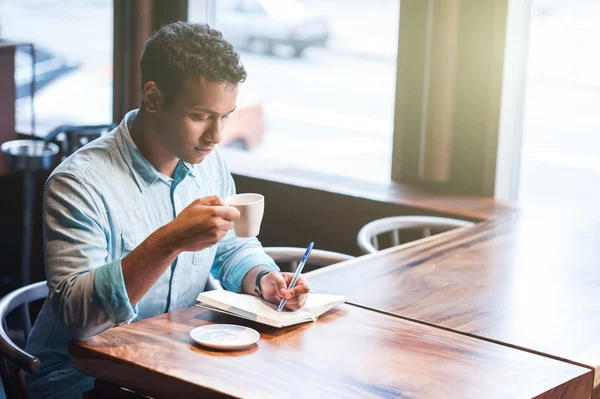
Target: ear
(152, 97)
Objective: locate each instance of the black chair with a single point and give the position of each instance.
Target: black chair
(14, 361)
(73, 137)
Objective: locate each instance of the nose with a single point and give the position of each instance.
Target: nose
(214, 131)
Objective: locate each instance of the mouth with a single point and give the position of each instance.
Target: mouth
(204, 151)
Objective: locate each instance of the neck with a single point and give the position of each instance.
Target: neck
(144, 135)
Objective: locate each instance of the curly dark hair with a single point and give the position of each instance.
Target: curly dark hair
(182, 49)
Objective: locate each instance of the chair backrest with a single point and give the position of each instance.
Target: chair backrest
(290, 257)
(73, 137)
(14, 360)
(367, 238)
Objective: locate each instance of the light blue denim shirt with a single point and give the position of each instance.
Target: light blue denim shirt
(100, 204)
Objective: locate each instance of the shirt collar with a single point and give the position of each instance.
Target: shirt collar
(144, 173)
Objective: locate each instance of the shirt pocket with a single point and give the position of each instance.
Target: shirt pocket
(130, 241)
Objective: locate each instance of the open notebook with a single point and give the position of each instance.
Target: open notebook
(253, 308)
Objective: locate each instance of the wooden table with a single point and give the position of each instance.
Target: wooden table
(528, 280)
(348, 352)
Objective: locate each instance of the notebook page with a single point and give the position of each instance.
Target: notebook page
(254, 308)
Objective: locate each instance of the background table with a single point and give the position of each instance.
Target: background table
(528, 280)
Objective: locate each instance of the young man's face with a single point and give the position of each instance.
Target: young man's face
(192, 126)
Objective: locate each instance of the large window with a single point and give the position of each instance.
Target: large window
(321, 81)
(73, 60)
(560, 151)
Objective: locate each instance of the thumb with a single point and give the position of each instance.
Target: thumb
(279, 283)
(213, 200)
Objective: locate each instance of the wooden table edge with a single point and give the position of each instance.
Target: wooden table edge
(594, 369)
(76, 351)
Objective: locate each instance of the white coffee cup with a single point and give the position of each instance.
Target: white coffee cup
(252, 208)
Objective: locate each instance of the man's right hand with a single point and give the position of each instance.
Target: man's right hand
(202, 224)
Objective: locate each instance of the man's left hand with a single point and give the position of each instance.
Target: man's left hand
(274, 288)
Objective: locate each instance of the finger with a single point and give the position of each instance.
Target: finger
(277, 280)
(288, 277)
(295, 305)
(226, 225)
(298, 290)
(222, 225)
(213, 200)
(295, 300)
(227, 212)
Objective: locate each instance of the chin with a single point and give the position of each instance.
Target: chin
(195, 156)
(194, 159)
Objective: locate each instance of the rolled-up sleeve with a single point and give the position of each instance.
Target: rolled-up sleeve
(88, 294)
(109, 287)
(237, 256)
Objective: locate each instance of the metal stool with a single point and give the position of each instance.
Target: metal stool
(29, 157)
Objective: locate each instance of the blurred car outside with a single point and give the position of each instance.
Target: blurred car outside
(245, 127)
(48, 67)
(261, 26)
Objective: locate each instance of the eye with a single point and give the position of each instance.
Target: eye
(199, 117)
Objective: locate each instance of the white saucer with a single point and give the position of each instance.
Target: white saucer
(224, 336)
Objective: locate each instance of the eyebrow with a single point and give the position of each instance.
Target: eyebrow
(210, 111)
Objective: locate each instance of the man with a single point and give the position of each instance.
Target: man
(134, 222)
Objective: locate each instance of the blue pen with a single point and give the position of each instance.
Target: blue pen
(298, 271)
